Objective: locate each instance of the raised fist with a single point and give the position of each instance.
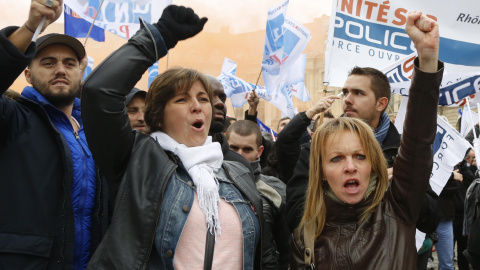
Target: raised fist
(179, 23)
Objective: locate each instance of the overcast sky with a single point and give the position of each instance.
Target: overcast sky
(239, 15)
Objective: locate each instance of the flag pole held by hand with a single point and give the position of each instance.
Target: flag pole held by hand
(39, 28)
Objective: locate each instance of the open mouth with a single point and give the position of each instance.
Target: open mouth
(198, 124)
(351, 185)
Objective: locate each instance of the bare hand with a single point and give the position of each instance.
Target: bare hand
(38, 10)
(457, 176)
(83, 64)
(424, 33)
(322, 105)
(390, 173)
(253, 99)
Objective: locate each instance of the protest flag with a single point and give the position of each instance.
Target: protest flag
(238, 89)
(265, 128)
(120, 17)
(449, 149)
(285, 39)
(361, 36)
(455, 87)
(77, 27)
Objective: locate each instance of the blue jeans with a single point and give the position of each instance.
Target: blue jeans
(444, 246)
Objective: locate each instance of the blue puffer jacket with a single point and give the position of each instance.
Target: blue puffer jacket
(84, 173)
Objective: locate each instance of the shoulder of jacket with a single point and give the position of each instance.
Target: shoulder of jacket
(146, 143)
(273, 189)
(273, 182)
(393, 137)
(235, 168)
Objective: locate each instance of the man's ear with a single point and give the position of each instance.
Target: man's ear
(260, 151)
(28, 75)
(382, 103)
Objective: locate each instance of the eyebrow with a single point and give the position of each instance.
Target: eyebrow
(355, 151)
(354, 89)
(48, 58)
(55, 59)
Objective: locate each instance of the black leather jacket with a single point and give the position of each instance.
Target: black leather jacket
(123, 154)
(276, 248)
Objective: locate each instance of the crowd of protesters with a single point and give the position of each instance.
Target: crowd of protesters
(102, 175)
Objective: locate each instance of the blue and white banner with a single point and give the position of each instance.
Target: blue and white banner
(229, 68)
(285, 39)
(273, 55)
(235, 88)
(119, 16)
(88, 69)
(152, 73)
(372, 33)
(238, 90)
(77, 27)
(449, 148)
(455, 87)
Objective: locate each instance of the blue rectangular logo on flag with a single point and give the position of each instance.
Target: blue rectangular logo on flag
(152, 73)
(77, 27)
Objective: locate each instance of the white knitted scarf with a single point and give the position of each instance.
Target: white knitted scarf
(201, 162)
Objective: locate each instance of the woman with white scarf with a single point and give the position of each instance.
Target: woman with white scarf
(176, 203)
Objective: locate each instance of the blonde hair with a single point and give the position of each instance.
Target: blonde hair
(315, 208)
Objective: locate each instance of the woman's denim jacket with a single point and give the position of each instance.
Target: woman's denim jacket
(177, 203)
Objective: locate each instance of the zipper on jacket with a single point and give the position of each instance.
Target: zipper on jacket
(77, 137)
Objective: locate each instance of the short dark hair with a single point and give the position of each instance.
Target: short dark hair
(246, 128)
(166, 86)
(326, 114)
(378, 81)
(284, 118)
(467, 154)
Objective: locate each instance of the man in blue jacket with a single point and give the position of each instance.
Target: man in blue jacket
(52, 210)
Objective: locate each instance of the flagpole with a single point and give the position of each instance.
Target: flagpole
(471, 118)
(478, 111)
(93, 23)
(259, 74)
